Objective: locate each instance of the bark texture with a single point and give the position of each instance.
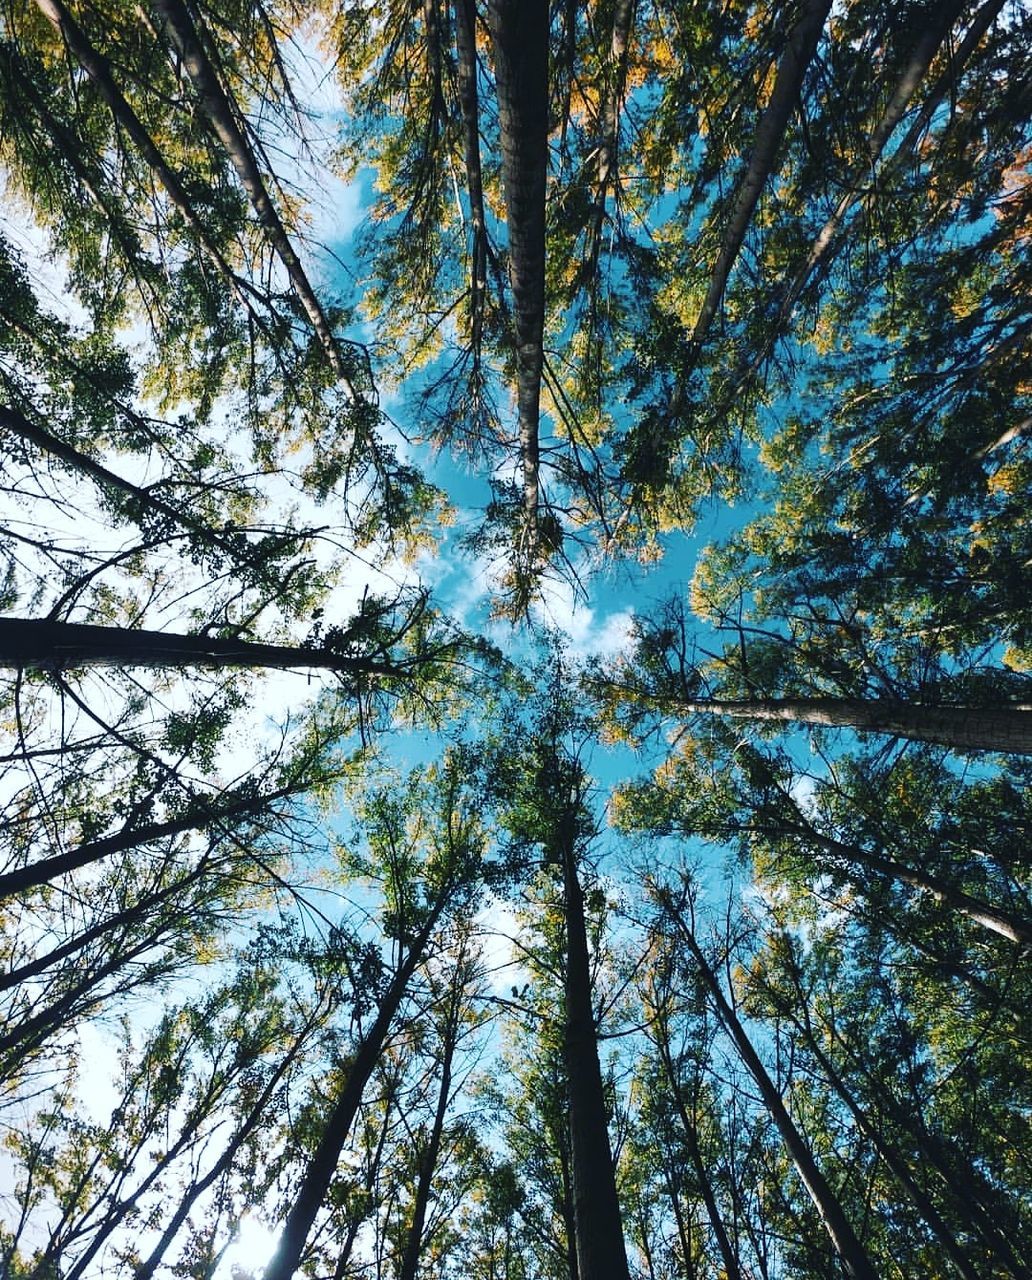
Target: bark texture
(1006, 728)
(519, 36)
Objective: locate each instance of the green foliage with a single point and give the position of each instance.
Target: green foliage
(218, 883)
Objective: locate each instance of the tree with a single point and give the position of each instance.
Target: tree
(548, 813)
(631, 265)
(449, 845)
(851, 1253)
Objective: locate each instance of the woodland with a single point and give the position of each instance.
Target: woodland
(344, 895)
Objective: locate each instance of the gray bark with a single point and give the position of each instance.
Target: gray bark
(1003, 728)
(519, 34)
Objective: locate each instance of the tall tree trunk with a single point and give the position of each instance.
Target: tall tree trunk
(146, 502)
(179, 27)
(31, 644)
(730, 1259)
(982, 21)
(966, 1190)
(895, 1162)
(941, 19)
(519, 34)
(118, 920)
(601, 1254)
(318, 1175)
(855, 1262)
(799, 50)
(1005, 923)
(145, 1270)
(613, 91)
(968, 1196)
(1003, 728)
(46, 869)
(97, 68)
(74, 153)
(26, 1035)
(469, 105)
(409, 1268)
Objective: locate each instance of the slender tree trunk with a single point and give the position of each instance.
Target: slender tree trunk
(1005, 923)
(24, 1036)
(319, 1174)
(355, 1220)
(222, 1166)
(179, 27)
(964, 1188)
(614, 88)
(31, 644)
(601, 1254)
(799, 51)
(119, 920)
(97, 68)
(409, 1267)
(851, 1252)
(969, 1197)
(895, 1162)
(519, 32)
(146, 503)
(730, 1259)
(941, 19)
(469, 105)
(47, 869)
(73, 152)
(1002, 728)
(982, 21)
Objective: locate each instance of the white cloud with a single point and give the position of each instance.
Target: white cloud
(590, 633)
(498, 926)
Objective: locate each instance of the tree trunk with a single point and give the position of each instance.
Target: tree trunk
(519, 34)
(942, 17)
(180, 29)
(799, 51)
(614, 89)
(222, 1166)
(97, 68)
(983, 20)
(147, 503)
(38, 645)
(601, 1253)
(26, 1035)
(1003, 728)
(895, 1162)
(47, 869)
(129, 916)
(409, 1267)
(851, 1253)
(965, 1189)
(469, 105)
(1005, 923)
(727, 1253)
(319, 1174)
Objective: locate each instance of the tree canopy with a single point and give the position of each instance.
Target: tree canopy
(516, 643)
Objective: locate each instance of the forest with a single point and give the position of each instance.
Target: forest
(515, 640)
